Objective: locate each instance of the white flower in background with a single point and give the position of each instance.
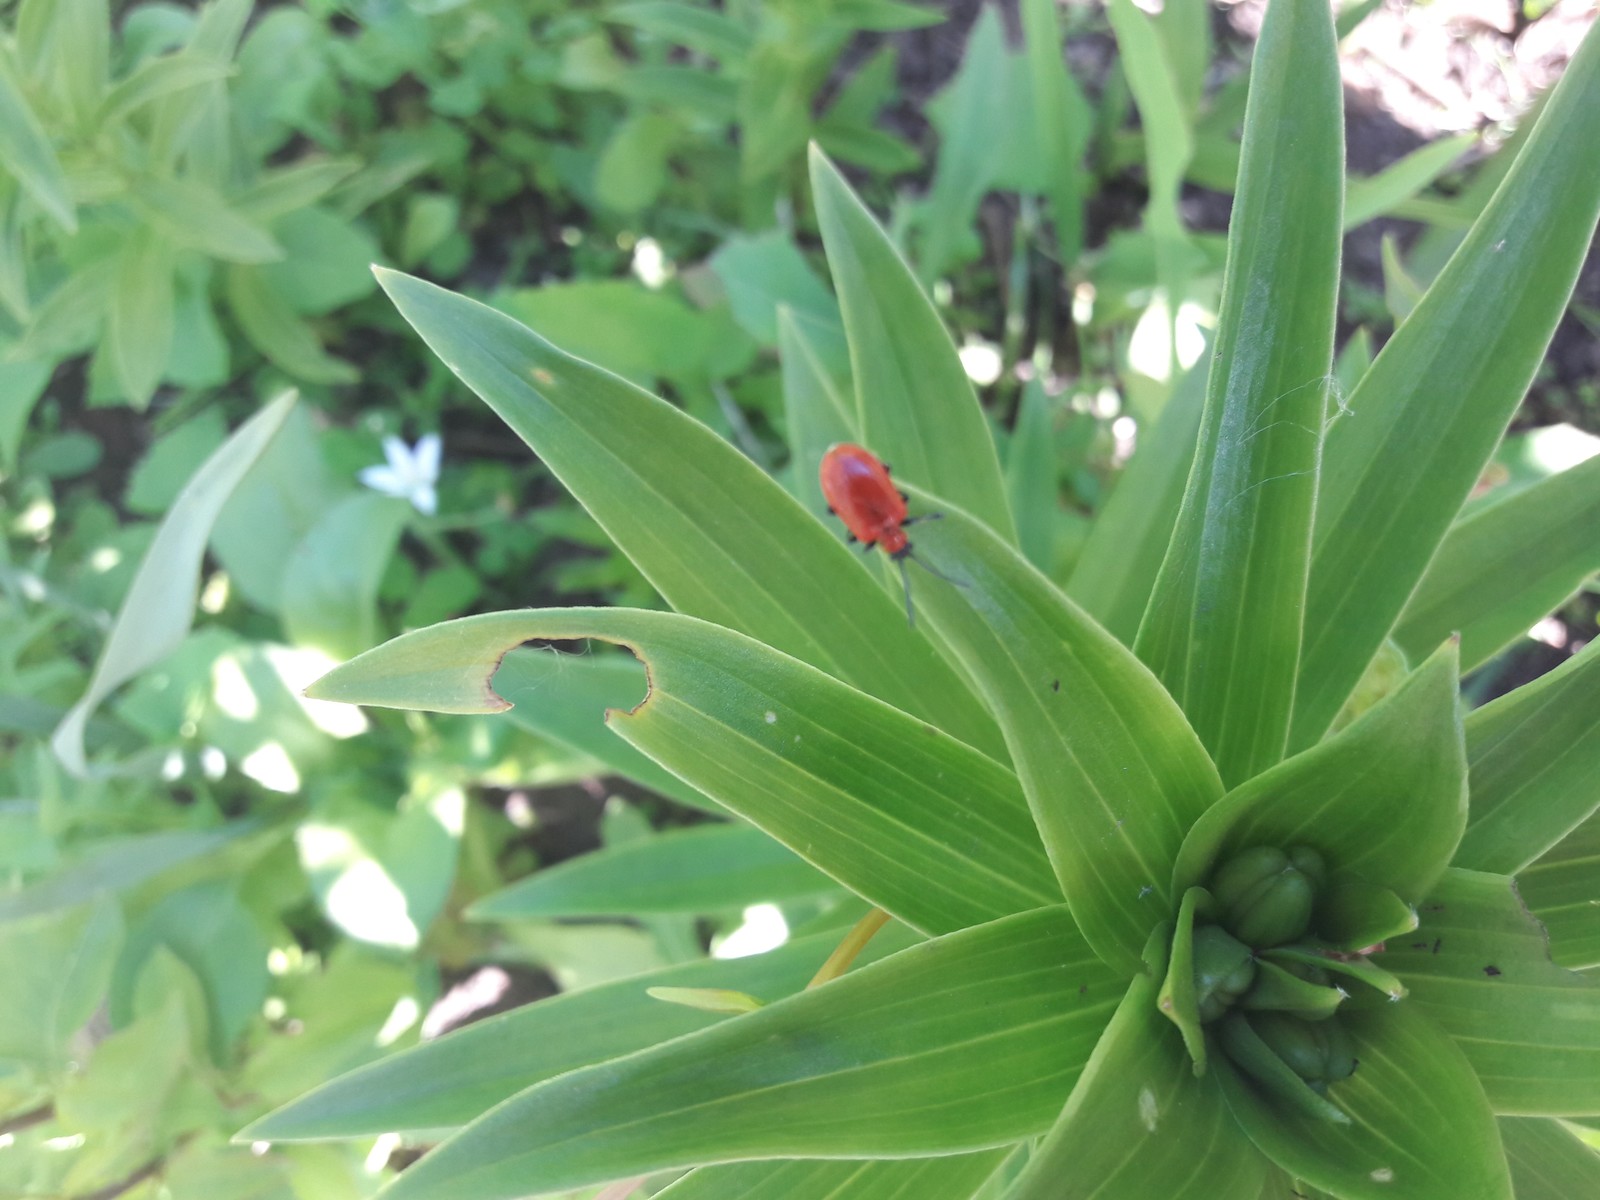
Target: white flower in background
(410, 473)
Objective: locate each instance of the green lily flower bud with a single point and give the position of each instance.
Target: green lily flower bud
(1267, 894)
(1320, 1052)
(1224, 969)
(1309, 863)
(1339, 1050)
(1233, 882)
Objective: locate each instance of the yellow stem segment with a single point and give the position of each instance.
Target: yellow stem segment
(854, 943)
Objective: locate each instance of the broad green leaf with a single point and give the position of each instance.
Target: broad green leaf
(1479, 966)
(1534, 755)
(1427, 415)
(1563, 890)
(448, 1082)
(1385, 800)
(1064, 123)
(714, 534)
(1419, 1126)
(153, 79)
(1547, 1161)
(290, 488)
(814, 412)
(764, 273)
(1375, 195)
(283, 190)
(69, 320)
(26, 153)
(218, 938)
(916, 406)
(924, 827)
(633, 166)
(196, 217)
(1117, 567)
(642, 334)
(705, 869)
(964, 1043)
(21, 385)
(565, 697)
(1223, 627)
(139, 331)
(1140, 1124)
(1500, 570)
(327, 263)
(954, 1177)
(1112, 771)
(330, 583)
(57, 967)
(1030, 475)
(282, 337)
(156, 614)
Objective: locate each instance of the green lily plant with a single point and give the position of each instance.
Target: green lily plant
(1291, 958)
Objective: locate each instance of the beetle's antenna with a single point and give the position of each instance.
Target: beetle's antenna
(905, 581)
(934, 571)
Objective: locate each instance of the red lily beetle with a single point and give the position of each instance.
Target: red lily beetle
(859, 492)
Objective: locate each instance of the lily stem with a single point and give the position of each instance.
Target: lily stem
(854, 943)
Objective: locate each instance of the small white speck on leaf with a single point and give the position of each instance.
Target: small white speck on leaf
(771, 717)
(1149, 1113)
(1383, 1175)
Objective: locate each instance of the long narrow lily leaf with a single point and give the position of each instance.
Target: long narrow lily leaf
(1429, 412)
(921, 825)
(955, 1177)
(1502, 569)
(1534, 755)
(159, 608)
(1140, 1124)
(916, 406)
(705, 869)
(446, 1083)
(715, 535)
(1064, 123)
(1478, 965)
(963, 1043)
(1563, 890)
(1112, 771)
(1031, 477)
(1118, 564)
(1385, 800)
(1223, 627)
(1419, 1125)
(564, 697)
(1548, 1162)
(1375, 195)
(814, 413)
